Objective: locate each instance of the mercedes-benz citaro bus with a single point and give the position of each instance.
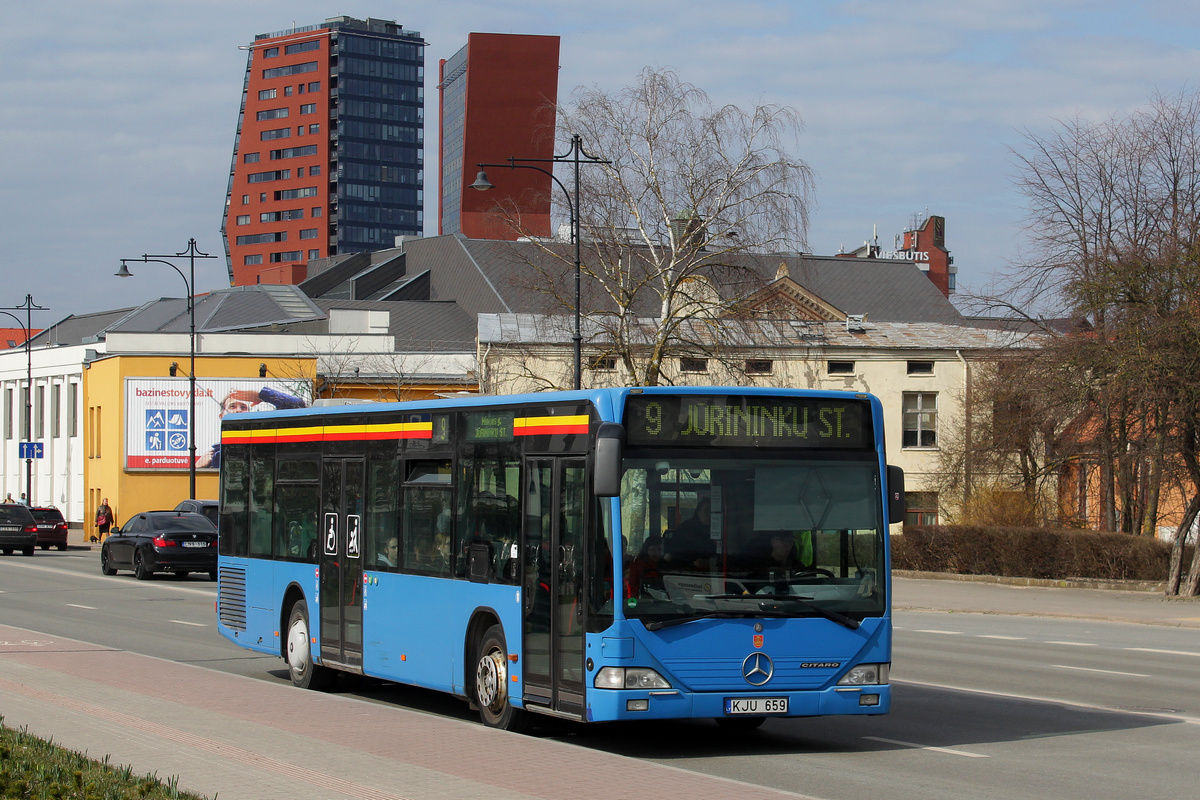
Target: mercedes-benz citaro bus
(612, 554)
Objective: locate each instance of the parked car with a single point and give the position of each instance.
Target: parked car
(209, 508)
(162, 541)
(18, 529)
(52, 527)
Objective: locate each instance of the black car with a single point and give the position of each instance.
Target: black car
(162, 541)
(209, 508)
(52, 527)
(18, 529)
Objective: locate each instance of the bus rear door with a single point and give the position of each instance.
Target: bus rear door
(342, 562)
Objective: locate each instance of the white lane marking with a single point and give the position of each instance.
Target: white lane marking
(997, 636)
(1162, 652)
(115, 582)
(184, 622)
(1104, 671)
(944, 633)
(76, 605)
(1173, 717)
(1073, 644)
(946, 750)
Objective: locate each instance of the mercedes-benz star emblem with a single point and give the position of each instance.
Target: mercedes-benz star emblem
(757, 669)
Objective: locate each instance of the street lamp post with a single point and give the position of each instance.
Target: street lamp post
(576, 155)
(192, 253)
(28, 307)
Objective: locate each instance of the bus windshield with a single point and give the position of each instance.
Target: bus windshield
(740, 533)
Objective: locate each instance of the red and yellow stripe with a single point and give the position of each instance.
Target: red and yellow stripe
(332, 433)
(544, 426)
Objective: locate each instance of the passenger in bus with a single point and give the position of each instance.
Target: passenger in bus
(786, 553)
(690, 545)
(644, 571)
(390, 554)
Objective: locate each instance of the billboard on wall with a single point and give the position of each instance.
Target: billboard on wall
(157, 410)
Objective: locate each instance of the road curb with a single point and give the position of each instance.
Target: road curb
(1051, 583)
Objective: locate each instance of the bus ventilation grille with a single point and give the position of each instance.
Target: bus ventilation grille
(232, 598)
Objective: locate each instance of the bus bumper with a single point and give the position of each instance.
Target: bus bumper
(612, 705)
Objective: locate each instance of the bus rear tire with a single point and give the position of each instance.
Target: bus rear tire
(304, 673)
(491, 684)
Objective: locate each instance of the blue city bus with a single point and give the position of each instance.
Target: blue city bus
(613, 554)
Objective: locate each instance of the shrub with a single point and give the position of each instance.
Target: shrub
(1030, 553)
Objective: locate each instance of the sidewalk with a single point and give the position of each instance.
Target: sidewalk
(251, 740)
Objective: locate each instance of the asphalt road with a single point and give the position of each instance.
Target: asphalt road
(996, 705)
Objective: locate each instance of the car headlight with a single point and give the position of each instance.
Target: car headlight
(629, 678)
(865, 675)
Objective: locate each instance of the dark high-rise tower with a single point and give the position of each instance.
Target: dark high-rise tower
(498, 96)
(329, 156)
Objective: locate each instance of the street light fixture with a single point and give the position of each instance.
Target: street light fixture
(28, 307)
(575, 155)
(192, 253)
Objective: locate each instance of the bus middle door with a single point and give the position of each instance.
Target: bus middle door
(555, 496)
(341, 561)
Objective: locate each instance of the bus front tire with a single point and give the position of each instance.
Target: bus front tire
(304, 673)
(491, 684)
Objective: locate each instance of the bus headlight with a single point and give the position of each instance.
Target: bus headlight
(865, 675)
(629, 678)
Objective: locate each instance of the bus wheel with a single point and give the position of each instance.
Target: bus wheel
(491, 684)
(303, 671)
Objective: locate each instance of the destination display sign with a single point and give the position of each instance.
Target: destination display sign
(747, 421)
(490, 426)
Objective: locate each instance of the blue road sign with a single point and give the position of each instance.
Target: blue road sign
(30, 450)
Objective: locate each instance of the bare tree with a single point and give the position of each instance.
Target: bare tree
(1114, 210)
(672, 226)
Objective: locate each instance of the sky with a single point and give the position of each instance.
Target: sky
(117, 117)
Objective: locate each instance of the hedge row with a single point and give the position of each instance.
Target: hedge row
(1031, 553)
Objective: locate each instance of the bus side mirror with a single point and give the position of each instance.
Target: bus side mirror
(610, 442)
(895, 490)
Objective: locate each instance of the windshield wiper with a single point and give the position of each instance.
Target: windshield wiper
(832, 616)
(671, 623)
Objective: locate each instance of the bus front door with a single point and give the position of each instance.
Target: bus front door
(341, 562)
(555, 494)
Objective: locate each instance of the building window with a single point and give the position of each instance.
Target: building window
(272, 113)
(270, 52)
(839, 367)
(314, 254)
(316, 212)
(73, 410)
(920, 367)
(287, 91)
(299, 172)
(275, 133)
(262, 238)
(262, 197)
(292, 194)
(315, 86)
(315, 128)
(921, 508)
(308, 233)
(920, 419)
(314, 171)
(294, 69)
(267, 94)
(290, 255)
(759, 366)
(299, 130)
(243, 219)
(272, 175)
(294, 152)
(56, 410)
(39, 412)
(8, 413)
(693, 365)
(603, 364)
(245, 199)
(308, 108)
(250, 261)
(251, 158)
(302, 47)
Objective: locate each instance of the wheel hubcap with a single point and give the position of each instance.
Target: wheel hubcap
(298, 647)
(489, 679)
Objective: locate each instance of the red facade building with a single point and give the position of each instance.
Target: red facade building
(498, 96)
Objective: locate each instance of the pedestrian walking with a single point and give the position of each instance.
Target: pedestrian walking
(105, 519)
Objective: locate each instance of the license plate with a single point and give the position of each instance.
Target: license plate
(195, 544)
(755, 706)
